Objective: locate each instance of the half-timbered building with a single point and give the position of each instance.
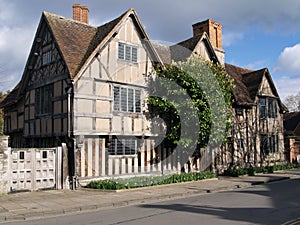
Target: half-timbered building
(84, 89)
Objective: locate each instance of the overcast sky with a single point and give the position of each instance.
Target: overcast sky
(256, 34)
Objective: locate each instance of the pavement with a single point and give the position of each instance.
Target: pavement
(51, 203)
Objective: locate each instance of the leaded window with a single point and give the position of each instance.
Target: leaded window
(262, 107)
(47, 57)
(43, 100)
(127, 52)
(268, 107)
(123, 146)
(269, 143)
(127, 99)
(272, 108)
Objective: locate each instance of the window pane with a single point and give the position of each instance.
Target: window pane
(274, 143)
(137, 101)
(264, 147)
(134, 54)
(38, 101)
(121, 51)
(117, 98)
(119, 147)
(272, 108)
(47, 57)
(127, 146)
(262, 107)
(124, 99)
(130, 100)
(128, 53)
(112, 147)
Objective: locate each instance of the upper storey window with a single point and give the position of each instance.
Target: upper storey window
(127, 52)
(47, 57)
(267, 107)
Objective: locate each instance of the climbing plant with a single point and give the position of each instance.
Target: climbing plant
(194, 100)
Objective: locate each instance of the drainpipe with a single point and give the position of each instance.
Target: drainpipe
(70, 92)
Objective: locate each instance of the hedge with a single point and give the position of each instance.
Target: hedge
(251, 171)
(135, 182)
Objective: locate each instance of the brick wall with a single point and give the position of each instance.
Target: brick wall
(4, 170)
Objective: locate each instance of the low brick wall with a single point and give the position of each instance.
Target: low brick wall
(4, 170)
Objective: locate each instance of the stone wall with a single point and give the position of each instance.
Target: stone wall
(4, 170)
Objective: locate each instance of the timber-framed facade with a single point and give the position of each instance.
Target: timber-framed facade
(84, 88)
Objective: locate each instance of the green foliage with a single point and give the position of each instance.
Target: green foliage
(136, 182)
(251, 171)
(208, 88)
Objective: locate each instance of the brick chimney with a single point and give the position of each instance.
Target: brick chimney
(81, 13)
(214, 32)
(212, 28)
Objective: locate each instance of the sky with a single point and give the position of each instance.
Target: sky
(256, 34)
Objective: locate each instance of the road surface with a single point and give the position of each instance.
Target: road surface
(274, 203)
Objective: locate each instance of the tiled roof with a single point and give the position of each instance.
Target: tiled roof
(163, 51)
(73, 39)
(240, 92)
(101, 33)
(291, 122)
(11, 97)
(77, 40)
(190, 43)
(178, 52)
(247, 83)
(252, 81)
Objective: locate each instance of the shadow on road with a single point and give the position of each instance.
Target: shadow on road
(283, 196)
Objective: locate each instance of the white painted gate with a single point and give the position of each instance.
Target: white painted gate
(33, 169)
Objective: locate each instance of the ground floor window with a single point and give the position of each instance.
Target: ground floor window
(123, 146)
(269, 143)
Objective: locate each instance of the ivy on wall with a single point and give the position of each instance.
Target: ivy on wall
(194, 99)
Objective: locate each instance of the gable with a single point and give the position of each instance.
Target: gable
(73, 39)
(107, 65)
(48, 62)
(265, 87)
(197, 44)
(113, 29)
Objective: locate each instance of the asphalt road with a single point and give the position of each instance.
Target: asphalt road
(274, 203)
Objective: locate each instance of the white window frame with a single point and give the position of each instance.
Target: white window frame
(127, 52)
(121, 100)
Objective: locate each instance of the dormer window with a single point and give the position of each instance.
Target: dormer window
(127, 52)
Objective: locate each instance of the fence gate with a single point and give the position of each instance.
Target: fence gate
(33, 169)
